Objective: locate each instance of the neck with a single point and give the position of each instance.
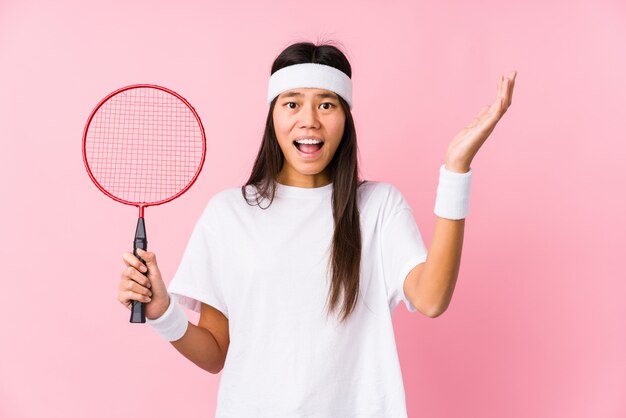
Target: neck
(304, 180)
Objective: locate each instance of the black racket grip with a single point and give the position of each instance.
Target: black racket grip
(138, 309)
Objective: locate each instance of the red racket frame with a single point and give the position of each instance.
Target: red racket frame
(143, 205)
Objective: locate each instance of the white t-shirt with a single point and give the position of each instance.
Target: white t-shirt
(266, 270)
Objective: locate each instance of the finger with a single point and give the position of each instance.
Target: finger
(502, 101)
(505, 93)
(508, 86)
(133, 261)
(135, 287)
(131, 273)
(121, 297)
(148, 257)
(126, 300)
(129, 285)
(128, 295)
(511, 86)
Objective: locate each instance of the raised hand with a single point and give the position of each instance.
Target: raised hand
(466, 143)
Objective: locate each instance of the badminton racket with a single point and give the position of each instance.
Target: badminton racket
(143, 145)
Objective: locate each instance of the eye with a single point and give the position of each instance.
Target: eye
(330, 105)
(290, 103)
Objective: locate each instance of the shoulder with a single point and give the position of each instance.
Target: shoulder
(221, 203)
(226, 196)
(381, 194)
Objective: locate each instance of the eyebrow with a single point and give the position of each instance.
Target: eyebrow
(322, 95)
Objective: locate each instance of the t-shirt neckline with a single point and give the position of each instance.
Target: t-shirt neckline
(293, 191)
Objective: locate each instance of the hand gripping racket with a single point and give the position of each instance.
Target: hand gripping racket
(143, 145)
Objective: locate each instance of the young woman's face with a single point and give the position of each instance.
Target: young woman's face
(308, 113)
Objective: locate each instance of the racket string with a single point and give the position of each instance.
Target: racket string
(144, 145)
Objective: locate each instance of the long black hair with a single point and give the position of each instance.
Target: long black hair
(345, 259)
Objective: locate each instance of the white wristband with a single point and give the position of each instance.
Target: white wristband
(172, 325)
(453, 194)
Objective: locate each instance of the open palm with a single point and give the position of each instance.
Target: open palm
(465, 145)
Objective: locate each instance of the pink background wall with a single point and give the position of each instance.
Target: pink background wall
(536, 325)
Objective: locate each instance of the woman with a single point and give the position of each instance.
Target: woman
(270, 264)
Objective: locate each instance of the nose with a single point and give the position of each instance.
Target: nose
(309, 117)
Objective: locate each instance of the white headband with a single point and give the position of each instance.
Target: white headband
(310, 75)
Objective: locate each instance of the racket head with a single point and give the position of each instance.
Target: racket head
(144, 145)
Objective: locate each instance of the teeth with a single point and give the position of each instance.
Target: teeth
(309, 141)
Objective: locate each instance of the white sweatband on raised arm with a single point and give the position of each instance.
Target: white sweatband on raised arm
(172, 325)
(310, 75)
(453, 194)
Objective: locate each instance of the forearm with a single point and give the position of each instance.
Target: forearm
(438, 278)
(199, 346)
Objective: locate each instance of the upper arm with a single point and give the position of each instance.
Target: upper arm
(217, 323)
(410, 286)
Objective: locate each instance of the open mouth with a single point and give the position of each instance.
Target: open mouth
(308, 148)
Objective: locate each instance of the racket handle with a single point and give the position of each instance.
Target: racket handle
(138, 309)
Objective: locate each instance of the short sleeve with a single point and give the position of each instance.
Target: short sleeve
(403, 248)
(197, 278)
